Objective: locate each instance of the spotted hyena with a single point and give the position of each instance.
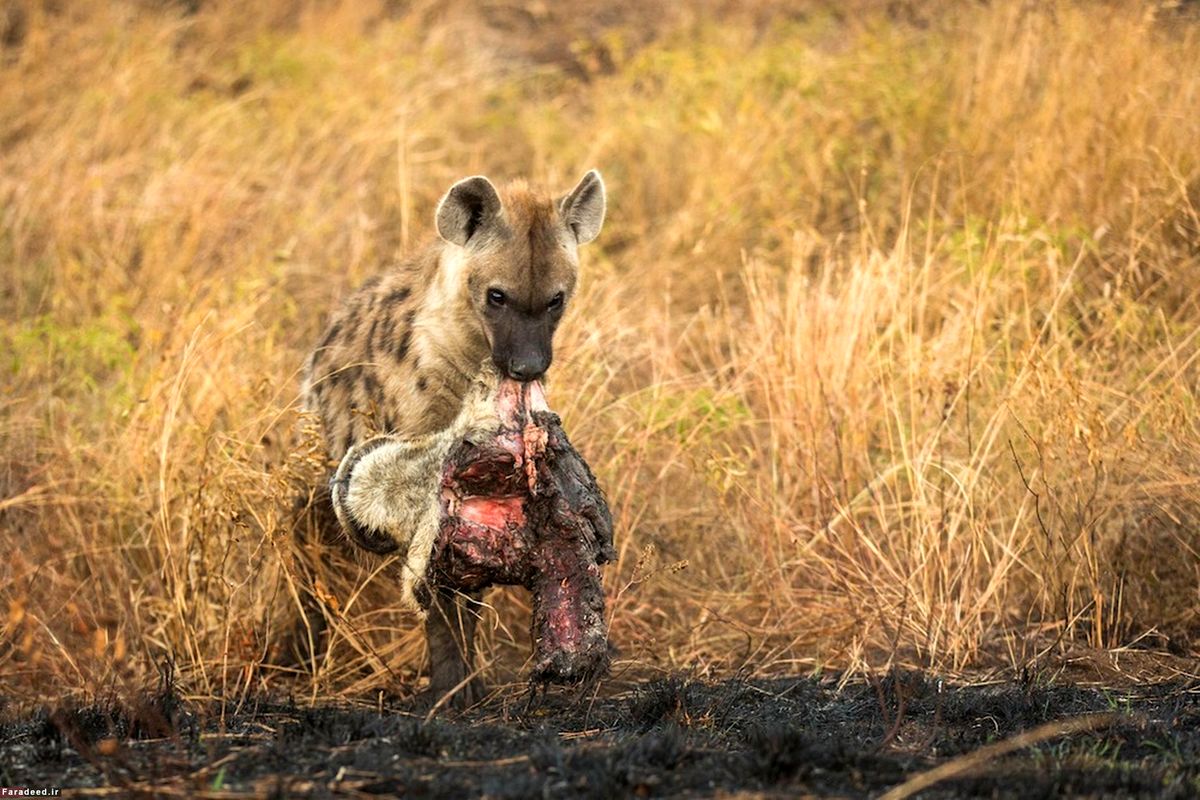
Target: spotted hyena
(403, 351)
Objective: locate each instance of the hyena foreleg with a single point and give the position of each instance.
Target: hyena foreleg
(450, 633)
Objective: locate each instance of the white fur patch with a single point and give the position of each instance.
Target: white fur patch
(393, 485)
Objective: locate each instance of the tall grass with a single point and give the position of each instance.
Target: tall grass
(889, 351)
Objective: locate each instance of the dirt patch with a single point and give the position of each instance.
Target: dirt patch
(671, 737)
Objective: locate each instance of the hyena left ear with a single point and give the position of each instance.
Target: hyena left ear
(583, 208)
(470, 206)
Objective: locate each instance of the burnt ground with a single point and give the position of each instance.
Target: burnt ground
(671, 737)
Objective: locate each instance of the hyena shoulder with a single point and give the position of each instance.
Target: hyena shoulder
(365, 376)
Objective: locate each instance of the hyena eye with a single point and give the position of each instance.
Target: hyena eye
(496, 298)
(556, 302)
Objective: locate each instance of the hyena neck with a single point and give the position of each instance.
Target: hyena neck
(449, 333)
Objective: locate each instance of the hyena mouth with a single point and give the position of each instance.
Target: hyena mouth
(522, 508)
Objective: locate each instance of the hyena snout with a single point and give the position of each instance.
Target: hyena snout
(523, 353)
(526, 367)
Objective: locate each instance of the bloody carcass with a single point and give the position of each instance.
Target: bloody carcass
(499, 498)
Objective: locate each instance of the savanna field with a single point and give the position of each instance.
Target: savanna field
(887, 357)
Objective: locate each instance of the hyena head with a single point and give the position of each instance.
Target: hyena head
(517, 261)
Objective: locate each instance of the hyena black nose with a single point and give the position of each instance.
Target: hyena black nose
(527, 368)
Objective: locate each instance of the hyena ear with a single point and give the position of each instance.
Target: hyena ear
(470, 206)
(583, 208)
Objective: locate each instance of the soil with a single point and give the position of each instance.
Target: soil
(781, 737)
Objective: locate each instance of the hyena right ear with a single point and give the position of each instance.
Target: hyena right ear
(470, 206)
(583, 208)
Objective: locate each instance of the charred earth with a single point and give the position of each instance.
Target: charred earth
(780, 737)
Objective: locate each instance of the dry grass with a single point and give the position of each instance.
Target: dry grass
(893, 333)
